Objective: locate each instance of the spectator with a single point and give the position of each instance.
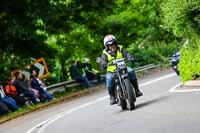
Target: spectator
(90, 72)
(3, 108)
(22, 88)
(27, 81)
(76, 74)
(7, 100)
(11, 91)
(37, 84)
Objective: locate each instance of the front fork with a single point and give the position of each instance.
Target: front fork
(119, 91)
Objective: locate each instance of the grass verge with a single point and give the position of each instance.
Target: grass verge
(59, 98)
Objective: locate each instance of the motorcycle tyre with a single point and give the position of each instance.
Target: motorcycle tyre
(131, 97)
(120, 101)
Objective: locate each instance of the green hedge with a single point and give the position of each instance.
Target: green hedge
(189, 65)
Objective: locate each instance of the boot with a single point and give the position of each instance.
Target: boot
(112, 100)
(112, 96)
(135, 85)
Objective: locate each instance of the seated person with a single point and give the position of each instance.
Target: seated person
(77, 74)
(37, 84)
(27, 81)
(90, 72)
(11, 91)
(3, 109)
(22, 88)
(11, 104)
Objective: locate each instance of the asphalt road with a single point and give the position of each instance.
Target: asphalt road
(158, 111)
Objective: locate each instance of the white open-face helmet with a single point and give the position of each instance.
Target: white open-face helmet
(109, 40)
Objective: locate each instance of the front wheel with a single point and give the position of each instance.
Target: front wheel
(120, 100)
(131, 97)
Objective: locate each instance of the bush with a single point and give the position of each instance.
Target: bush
(158, 53)
(189, 65)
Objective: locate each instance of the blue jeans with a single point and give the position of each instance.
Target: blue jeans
(110, 77)
(45, 93)
(84, 79)
(48, 95)
(31, 95)
(10, 103)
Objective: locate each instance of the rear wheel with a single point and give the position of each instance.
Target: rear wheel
(131, 97)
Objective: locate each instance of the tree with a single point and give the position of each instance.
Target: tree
(182, 18)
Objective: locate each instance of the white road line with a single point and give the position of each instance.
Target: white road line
(41, 126)
(173, 89)
(157, 79)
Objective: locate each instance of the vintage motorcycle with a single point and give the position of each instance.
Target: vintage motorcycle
(124, 91)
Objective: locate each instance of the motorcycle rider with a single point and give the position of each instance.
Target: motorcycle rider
(114, 51)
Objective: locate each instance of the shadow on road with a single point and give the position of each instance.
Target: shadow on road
(147, 103)
(156, 100)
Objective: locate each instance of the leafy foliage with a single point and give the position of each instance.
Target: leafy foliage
(159, 52)
(182, 18)
(64, 30)
(190, 63)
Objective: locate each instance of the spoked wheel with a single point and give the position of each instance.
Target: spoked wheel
(131, 97)
(120, 101)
